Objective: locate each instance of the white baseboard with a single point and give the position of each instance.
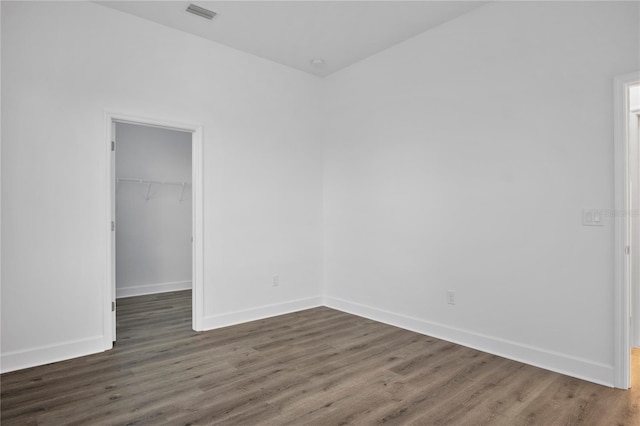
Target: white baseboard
(18, 360)
(141, 290)
(549, 360)
(261, 312)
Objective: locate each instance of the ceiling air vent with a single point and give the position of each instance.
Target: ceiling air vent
(201, 11)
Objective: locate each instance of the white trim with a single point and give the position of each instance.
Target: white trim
(197, 190)
(261, 312)
(634, 225)
(560, 363)
(197, 274)
(12, 361)
(107, 297)
(622, 348)
(141, 290)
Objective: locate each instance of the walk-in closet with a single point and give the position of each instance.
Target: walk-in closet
(153, 210)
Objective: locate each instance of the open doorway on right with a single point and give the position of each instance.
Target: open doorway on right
(634, 150)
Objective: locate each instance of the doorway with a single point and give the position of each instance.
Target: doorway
(627, 230)
(633, 135)
(160, 206)
(153, 210)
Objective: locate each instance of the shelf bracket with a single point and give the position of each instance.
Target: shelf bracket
(182, 192)
(148, 191)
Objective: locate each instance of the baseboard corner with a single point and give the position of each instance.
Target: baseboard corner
(568, 365)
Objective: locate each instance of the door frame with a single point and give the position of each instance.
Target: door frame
(622, 229)
(197, 218)
(634, 231)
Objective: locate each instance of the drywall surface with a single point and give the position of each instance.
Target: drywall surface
(63, 65)
(461, 160)
(153, 221)
(634, 98)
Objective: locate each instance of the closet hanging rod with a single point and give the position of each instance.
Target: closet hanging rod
(151, 181)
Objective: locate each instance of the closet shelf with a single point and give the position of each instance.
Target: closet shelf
(151, 182)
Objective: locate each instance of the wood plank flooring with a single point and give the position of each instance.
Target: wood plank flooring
(315, 367)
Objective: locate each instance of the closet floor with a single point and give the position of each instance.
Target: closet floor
(314, 367)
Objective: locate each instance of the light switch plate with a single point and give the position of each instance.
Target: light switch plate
(591, 217)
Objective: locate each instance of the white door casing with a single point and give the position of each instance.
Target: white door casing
(109, 328)
(622, 224)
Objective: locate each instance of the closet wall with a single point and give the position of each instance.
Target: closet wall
(153, 221)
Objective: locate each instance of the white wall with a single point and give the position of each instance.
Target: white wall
(461, 160)
(153, 236)
(63, 65)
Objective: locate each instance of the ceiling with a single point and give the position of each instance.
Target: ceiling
(293, 33)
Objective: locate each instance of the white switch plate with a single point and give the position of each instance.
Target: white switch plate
(591, 217)
(451, 297)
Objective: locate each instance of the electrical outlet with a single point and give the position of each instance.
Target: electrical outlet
(451, 297)
(275, 281)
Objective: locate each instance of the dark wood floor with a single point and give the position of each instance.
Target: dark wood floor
(316, 367)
